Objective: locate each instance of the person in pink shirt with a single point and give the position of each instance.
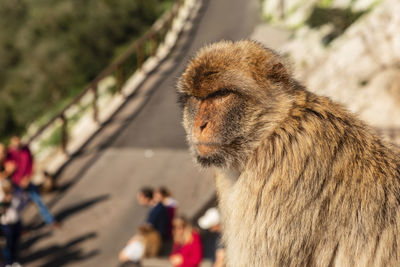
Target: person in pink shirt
(187, 250)
(22, 160)
(22, 157)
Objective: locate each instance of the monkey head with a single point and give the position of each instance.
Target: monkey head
(221, 92)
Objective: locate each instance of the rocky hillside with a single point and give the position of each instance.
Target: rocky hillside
(347, 50)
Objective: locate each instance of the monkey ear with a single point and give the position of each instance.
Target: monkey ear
(276, 72)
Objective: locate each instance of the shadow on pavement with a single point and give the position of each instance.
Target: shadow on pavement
(62, 215)
(38, 223)
(38, 232)
(33, 238)
(60, 255)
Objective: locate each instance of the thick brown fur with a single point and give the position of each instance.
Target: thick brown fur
(301, 181)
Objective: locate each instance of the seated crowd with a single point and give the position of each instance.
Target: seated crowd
(165, 233)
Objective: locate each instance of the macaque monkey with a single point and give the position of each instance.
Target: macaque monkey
(300, 180)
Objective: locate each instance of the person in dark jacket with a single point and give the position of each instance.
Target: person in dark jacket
(158, 217)
(158, 221)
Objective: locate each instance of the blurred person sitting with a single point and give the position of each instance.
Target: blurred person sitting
(187, 249)
(10, 223)
(211, 221)
(147, 241)
(23, 165)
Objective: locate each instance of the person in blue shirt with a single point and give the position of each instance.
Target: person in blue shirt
(157, 222)
(158, 217)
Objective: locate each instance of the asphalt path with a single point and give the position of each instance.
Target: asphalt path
(143, 144)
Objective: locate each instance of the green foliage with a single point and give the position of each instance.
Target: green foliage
(49, 50)
(325, 3)
(55, 138)
(340, 18)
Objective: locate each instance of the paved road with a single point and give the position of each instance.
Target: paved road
(144, 144)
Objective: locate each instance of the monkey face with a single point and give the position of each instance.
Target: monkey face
(219, 91)
(213, 124)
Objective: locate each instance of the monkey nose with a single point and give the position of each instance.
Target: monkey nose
(199, 129)
(203, 125)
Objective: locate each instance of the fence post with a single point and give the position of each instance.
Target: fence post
(180, 2)
(120, 78)
(171, 17)
(64, 133)
(139, 52)
(94, 103)
(154, 44)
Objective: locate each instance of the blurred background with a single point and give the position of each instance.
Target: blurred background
(89, 86)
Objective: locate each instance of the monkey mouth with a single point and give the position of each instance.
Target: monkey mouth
(211, 160)
(205, 149)
(208, 154)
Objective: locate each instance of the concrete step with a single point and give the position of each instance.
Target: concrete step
(163, 262)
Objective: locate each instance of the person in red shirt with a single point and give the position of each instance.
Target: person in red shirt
(22, 160)
(187, 249)
(22, 157)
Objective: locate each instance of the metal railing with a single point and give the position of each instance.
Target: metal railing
(121, 69)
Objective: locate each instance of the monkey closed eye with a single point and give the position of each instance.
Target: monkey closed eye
(184, 97)
(220, 93)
